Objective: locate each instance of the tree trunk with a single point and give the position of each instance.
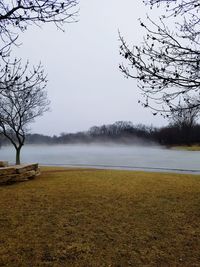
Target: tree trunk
(18, 155)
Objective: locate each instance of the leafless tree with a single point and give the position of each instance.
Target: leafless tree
(185, 119)
(22, 99)
(167, 63)
(185, 116)
(17, 15)
(22, 93)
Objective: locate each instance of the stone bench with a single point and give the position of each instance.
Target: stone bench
(18, 173)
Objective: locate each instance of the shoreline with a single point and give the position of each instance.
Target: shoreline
(126, 168)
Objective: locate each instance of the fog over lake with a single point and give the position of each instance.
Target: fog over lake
(109, 156)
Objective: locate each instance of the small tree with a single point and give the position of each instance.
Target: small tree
(22, 99)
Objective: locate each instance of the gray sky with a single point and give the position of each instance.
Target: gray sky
(85, 85)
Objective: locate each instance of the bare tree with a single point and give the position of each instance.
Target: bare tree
(184, 119)
(185, 116)
(22, 99)
(17, 15)
(22, 93)
(167, 63)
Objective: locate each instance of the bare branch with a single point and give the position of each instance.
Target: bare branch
(17, 15)
(166, 66)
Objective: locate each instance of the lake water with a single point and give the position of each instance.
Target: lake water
(152, 158)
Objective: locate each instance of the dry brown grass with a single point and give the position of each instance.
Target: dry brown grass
(187, 148)
(101, 218)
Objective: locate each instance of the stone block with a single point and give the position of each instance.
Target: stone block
(7, 171)
(19, 173)
(25, 168)
(23, 176)
(3, 163)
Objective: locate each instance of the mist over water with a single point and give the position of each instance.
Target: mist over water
(107, 155)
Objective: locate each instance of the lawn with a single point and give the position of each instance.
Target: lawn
(87, 217)
(187, 148)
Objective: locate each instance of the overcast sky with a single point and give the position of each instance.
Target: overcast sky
(85, 85)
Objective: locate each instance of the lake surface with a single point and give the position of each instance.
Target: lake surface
(152, 158)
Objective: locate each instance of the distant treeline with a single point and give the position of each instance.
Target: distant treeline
(122, 132)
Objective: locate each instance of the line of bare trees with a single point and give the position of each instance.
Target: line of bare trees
(175, 133)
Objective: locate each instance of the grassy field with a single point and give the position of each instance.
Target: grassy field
(188, 148)
(72, 217)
